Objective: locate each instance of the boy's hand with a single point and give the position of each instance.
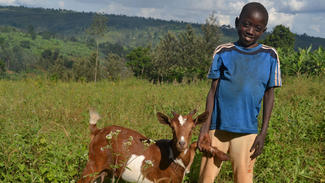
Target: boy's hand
(200, 140)
(257, 146)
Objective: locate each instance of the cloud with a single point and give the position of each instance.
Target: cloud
(61, 4)
(316, 28)
(7, 2)
(293, 5)
(276, 18)
(290, 13)
(312, 24)
(27, 3)
(300, 6)
(299, 15)
(223, 19)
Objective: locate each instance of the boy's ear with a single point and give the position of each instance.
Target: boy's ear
(237, 22)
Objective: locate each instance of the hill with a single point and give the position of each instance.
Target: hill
(124, 30)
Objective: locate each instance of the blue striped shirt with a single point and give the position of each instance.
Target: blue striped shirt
(244, 75)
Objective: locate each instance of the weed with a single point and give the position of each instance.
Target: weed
(44, 126)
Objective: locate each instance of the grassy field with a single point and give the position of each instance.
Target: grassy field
(44, 126)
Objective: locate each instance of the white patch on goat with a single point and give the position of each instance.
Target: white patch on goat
(132, 172)
(185, 151)
(182, 139)
(181, 120)
(180, 162)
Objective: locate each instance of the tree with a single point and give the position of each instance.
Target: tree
(48, 58)
(5, 52)
(165, 56)
(31, 31)
(59, 70)
(211, 33)
(281, 37)
(2, 67)
(114, 67)
(188, 54)
(107, 48)
(139, 59)
(83, 68)
(97, 29)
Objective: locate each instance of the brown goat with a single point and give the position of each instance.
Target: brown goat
(124, 153)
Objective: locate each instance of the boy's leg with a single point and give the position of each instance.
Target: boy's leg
(240, 155)
(210, 167)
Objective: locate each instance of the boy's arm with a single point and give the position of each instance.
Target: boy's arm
(268, 101)
(208, 107)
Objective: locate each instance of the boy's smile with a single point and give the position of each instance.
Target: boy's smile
(250, 27)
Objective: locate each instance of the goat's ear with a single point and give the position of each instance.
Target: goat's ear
(201, 118)
(163, 119)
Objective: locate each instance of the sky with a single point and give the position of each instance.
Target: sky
(301, 16)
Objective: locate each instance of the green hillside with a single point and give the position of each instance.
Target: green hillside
(124, 30)
(23, 52)
(131, 31)
(38, 45)
(58, 43)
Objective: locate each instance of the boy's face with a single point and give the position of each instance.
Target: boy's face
(250, 27)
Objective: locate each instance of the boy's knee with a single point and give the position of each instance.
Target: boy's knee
(243, 174)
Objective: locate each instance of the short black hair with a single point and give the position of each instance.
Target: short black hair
(255, 6)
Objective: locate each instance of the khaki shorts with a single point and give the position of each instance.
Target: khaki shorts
(238, 146)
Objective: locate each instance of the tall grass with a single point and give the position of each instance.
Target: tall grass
(44, 126)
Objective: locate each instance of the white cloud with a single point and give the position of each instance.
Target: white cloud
(312, 24)
(147, 12)
(315, 28)
(295, 5)
(206, 5)
(114, 8)
(276, 18)
(302, 16)
(23, 2)
(8, 2)
(61, 4)
(224, 19)
(235, 7)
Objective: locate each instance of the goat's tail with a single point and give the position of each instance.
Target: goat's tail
(94, 117)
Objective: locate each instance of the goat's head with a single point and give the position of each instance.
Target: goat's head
(182, 127)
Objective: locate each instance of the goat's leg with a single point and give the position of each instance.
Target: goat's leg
(192, 149)
(88, 175)
(102, 176)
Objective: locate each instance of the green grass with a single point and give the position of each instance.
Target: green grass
(44, 126)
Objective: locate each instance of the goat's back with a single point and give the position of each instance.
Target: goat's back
(117, 150)
(111, 144)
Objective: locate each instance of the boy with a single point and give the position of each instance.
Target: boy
(243, 73)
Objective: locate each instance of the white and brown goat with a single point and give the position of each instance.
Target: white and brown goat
(120, 152)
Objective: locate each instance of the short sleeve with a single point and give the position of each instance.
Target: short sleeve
(214, 71)
(275, 74)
